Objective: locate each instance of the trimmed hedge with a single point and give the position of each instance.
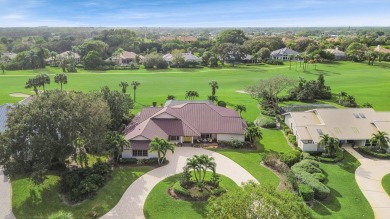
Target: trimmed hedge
(320, 190)
(306, 192)
(367, 151)
(266, 122)
(290, 158)
(128, 161)
(150, 161)
(339, 157)
(292, 139)
(319, 176)
(309, 166)
(178, 189)
(307, 156)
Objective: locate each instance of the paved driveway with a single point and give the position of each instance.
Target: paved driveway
(5, 197)
(132, 202)
(369, 176)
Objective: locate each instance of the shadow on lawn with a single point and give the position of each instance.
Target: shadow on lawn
(329, 205)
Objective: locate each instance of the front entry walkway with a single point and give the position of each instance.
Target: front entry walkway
(132, 202)
(369, 177)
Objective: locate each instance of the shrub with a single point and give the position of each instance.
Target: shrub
(266, 122)
(292, 139)
(319, 176)
(367, 151)
(339, 156)
(320, 190)
(270, 159)
(307, 156)
(128, 160)
(221, 103)
(309, 166)
(306, 192)
(287, 131)
(151, 161)
(274, 62)
(218, 191)
(291, 157)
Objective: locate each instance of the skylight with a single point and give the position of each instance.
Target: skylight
(320, 132)
(362, 115)
(356, 116)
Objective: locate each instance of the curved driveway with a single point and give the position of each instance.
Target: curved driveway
(369, 177)
(132, 202)
(5, 197)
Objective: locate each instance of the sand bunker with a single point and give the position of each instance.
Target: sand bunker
(19, 95)
(242, 92)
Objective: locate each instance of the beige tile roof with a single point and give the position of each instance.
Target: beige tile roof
(344, 124)
(381, 49)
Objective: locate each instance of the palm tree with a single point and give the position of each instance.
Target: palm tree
(330, 144)
(191, 94)
(253, 133)
(342, 96)
(240, 108)
(291, 57)
(161, 146)
(381, 139)
(206, 163)
(2, 68)
(135, 84)
(61, 79)
(42, 80)
(124, 86)
(170, 97)
(193, 163)
(32, 83)
(116, 143)
(213, 98)
(214, 87)
(316, 58)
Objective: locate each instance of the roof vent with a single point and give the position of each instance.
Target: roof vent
(356, 116)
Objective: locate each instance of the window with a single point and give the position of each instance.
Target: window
(173, 138)
(140, 153)
(205, 136)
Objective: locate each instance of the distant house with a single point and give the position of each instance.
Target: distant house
(7, 56)
(382, 50)
(6, 108)
(125, 58)
(187, 122)
(65, 55)
(188, 57)
(283, 54)
(353, 126)
(338, 54)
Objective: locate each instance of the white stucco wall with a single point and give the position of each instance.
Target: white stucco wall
(229, 137)
(129, 154)
(309, 147)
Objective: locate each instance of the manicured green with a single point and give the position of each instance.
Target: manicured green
(345, 200)
(159, 204)
(386, 183)
(366, 83)
(31, 201)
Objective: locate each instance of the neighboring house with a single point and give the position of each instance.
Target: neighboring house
(65, 55)
(6, 108)
(184, 123)
(283, 54)
(125, 58)
(353, 126)
(382, 50)
(7, 56)
(188, 57)
(338, 54)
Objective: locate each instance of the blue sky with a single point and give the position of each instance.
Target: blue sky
(194, 13)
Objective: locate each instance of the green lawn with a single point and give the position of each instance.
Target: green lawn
(366, 83)
(31, 201)
(386, 183)
(273, 140)
(346, 200)
(160, 205)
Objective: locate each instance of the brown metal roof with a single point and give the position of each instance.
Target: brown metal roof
(140, 145)
(190, 119)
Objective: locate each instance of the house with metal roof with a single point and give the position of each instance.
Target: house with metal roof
(353, 125)
(189, 122)
(188, 57)
(283, 54)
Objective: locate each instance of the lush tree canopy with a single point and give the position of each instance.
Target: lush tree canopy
(50, 129)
